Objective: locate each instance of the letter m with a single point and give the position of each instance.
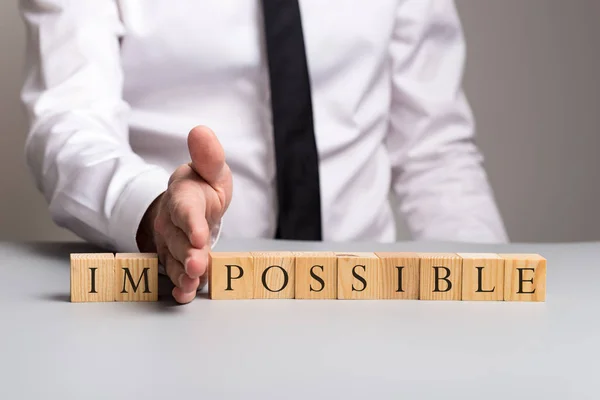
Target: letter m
(127, 276)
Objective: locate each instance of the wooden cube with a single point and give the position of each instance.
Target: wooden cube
(92, 277)
(231, 276)
(136, 277)
(316, 275)
(483, 276)
(358, 276)
(440, 276)
(524, 277)
(399, 275)
(274, 275)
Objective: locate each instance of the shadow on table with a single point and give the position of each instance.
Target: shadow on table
(60, 251)
(164, 303)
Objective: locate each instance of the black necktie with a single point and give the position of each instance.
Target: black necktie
(295, 147)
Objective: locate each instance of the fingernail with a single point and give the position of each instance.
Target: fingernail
(180, 280)
(185, 264)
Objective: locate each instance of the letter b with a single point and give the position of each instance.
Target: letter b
(437, 279)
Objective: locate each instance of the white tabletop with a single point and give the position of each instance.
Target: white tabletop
(298, 349)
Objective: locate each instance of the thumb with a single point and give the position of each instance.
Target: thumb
(207, 154)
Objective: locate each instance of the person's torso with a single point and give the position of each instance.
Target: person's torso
(190, 63)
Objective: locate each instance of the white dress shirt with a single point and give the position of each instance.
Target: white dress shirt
(113, 88)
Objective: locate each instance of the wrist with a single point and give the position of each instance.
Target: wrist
(145, 232)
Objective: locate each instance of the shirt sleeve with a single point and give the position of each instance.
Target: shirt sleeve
(438, 175)
(77, 146)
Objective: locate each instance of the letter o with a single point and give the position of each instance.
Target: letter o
(285, 278)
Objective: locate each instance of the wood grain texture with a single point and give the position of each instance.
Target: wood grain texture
(448, 266)
(483, 276)
(136, 277)
(274, 275)
(92, 277)
(312, 266)
(524, 277)
(231, 276)
(352, 267)
(399, 275)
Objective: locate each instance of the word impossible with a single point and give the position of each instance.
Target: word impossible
(417, 276)
(103, 277)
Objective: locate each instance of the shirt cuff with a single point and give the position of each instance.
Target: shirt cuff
(215, 233)
(132, 205)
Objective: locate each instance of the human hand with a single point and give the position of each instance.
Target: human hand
(179, 222)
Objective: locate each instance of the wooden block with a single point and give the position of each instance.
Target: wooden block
(440, 276)
(483, 276)
(399, 275)
(316, 275)
(136, 277)
(524, 277)
(274, 275)
(92, 277)
(231, 276)
(358, 276)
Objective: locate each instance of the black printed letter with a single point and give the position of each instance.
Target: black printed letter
(133, 284)
(230, 278)
(445, 278)
(521, 280)
(285, 278)
(360, 278)
(479, 281)
(93, 280)
(399, 279)
(317, 278)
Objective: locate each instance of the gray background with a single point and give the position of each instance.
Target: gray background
(532, 81)
(298, 349)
